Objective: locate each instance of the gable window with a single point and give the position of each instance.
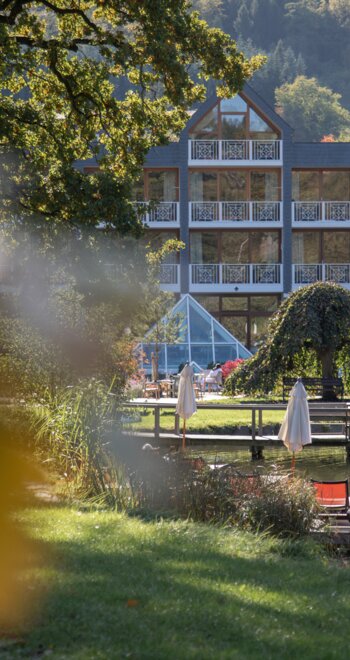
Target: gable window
(233, 119)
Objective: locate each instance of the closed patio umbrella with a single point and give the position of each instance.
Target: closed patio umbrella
(186, 402)
(295, 431)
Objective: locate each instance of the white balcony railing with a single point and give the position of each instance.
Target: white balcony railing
(235, 211)
(169, 274)
(320, 211)
(309, 273)
(235, 150)
(159, 212)
(254, 274)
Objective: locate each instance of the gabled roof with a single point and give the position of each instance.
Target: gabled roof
(251, 96)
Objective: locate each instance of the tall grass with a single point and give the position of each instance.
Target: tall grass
(72, 430)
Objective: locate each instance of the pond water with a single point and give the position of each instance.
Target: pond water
(312, 463)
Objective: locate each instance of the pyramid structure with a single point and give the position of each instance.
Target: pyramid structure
(200, 339)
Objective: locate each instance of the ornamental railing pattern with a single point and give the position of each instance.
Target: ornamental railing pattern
(258, 274)
(159, 211)
(235, 211)
(321, 211)
(309, 273)
(235, 150)
(169, 273)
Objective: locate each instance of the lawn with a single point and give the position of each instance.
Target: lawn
(123, 587)
(208, 421)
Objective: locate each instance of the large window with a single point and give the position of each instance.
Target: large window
(246, 317)
(157, 185)
(233, 119)
(234, 185)
(235, 247)
(321, 185)
(315, 247)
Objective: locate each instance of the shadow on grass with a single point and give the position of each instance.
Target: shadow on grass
(123, 588)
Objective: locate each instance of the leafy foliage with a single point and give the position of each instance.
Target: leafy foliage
(313, 322)
(101, 83)
(311, 109)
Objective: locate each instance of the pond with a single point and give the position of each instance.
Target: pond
(328, 464)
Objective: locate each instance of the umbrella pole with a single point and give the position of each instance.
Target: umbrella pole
(293, 464)
(184, 435)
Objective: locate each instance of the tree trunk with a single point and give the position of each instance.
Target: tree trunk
(327, 362)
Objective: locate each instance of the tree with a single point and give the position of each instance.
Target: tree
(313, 320)
(282, 66)
(340, 9)
(104, 81)
(312, 110)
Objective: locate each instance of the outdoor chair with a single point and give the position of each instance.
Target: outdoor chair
(332, 495)
(151, 390)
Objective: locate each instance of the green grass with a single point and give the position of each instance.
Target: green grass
(208, 421)
(202, 592)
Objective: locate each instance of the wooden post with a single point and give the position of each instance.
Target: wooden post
(156, 422)
(260, 423)
(177, 424)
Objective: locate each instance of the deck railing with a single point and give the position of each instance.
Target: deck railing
(169, 273)
(235, 274)
(159, 212)
(235, 150)
(321, 211)
(235, 211)
(309, 273)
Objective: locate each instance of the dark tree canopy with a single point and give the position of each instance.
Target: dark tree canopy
(316, 318)
(107, 81)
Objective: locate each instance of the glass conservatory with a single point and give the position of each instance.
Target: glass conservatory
(189, 334)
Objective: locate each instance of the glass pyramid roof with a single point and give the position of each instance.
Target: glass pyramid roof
(190, 334)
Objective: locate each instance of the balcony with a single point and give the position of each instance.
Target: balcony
(169, 277)
(318, 213)
(235, 277)
(242, 152)
(309, 273)
(232, 213)
(160, 214)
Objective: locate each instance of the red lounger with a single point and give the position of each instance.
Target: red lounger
(332, 494)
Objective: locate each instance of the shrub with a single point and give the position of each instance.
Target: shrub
(73, 431)
(229, 366)
(274, 502)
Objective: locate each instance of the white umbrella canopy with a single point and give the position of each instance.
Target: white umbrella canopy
(186, 401)
(295, 431)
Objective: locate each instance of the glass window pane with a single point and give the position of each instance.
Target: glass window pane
(162, 186)
(264, 247)
(264, 303)
(336, 186)
(233, 186)
(265, 186)
(207, 127)
(224, 353)
(259, 129)
(204, 247)
(200, 326)
(306, 187)
(138, 190)
(258, 329)
(237, 326)
(210, 303)
(203, 186)
(235, 246)
(234, 303)
(203, 355)
(306, 247)
(220, 334)
(233, 127)
(336, 247)
(177, 355)
(235, 104)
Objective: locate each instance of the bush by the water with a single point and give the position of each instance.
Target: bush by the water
(273, 501)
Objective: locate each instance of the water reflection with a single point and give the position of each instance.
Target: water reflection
(311, 463)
